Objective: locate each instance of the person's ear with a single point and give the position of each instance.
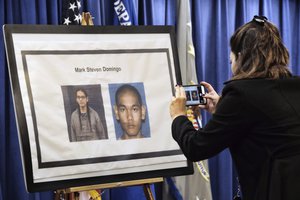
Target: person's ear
(143, 112)
(87, 99)
(116, 112)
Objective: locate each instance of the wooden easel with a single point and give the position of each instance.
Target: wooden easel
(87, 19)
(64, 193)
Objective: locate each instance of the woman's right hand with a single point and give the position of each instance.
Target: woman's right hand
(211, 96)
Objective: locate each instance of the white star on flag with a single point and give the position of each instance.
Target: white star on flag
(67, 21)
(78, 4)
(78, 18)
(70, 12)
(72, 6)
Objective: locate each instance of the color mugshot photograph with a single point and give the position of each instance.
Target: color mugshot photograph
(130, 111)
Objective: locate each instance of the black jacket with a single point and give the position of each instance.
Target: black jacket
(259, 120)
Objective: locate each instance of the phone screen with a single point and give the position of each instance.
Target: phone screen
(194, 94)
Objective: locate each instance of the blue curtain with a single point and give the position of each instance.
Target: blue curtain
(213, 23)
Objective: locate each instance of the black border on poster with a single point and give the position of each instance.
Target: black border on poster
(9, 30)
(51, 164)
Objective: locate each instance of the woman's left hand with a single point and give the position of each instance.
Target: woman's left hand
(177, 106)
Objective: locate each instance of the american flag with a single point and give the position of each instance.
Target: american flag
(71, 12)
(192, 118)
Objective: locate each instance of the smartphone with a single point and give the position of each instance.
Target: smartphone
(194, 95)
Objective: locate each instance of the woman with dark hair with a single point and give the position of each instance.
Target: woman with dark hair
(257, 116)
(85, 121)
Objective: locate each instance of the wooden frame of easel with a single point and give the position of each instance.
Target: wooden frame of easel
(61, 194)
(87, 20)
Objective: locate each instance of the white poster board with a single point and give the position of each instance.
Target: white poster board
(49, 64)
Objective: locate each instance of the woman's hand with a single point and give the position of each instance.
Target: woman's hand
(211, 96)
(177, 106)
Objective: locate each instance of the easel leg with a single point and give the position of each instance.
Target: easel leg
(60, 195)
(148, 192)
(95, 194)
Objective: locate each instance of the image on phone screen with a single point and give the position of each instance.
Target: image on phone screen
(194, 95)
